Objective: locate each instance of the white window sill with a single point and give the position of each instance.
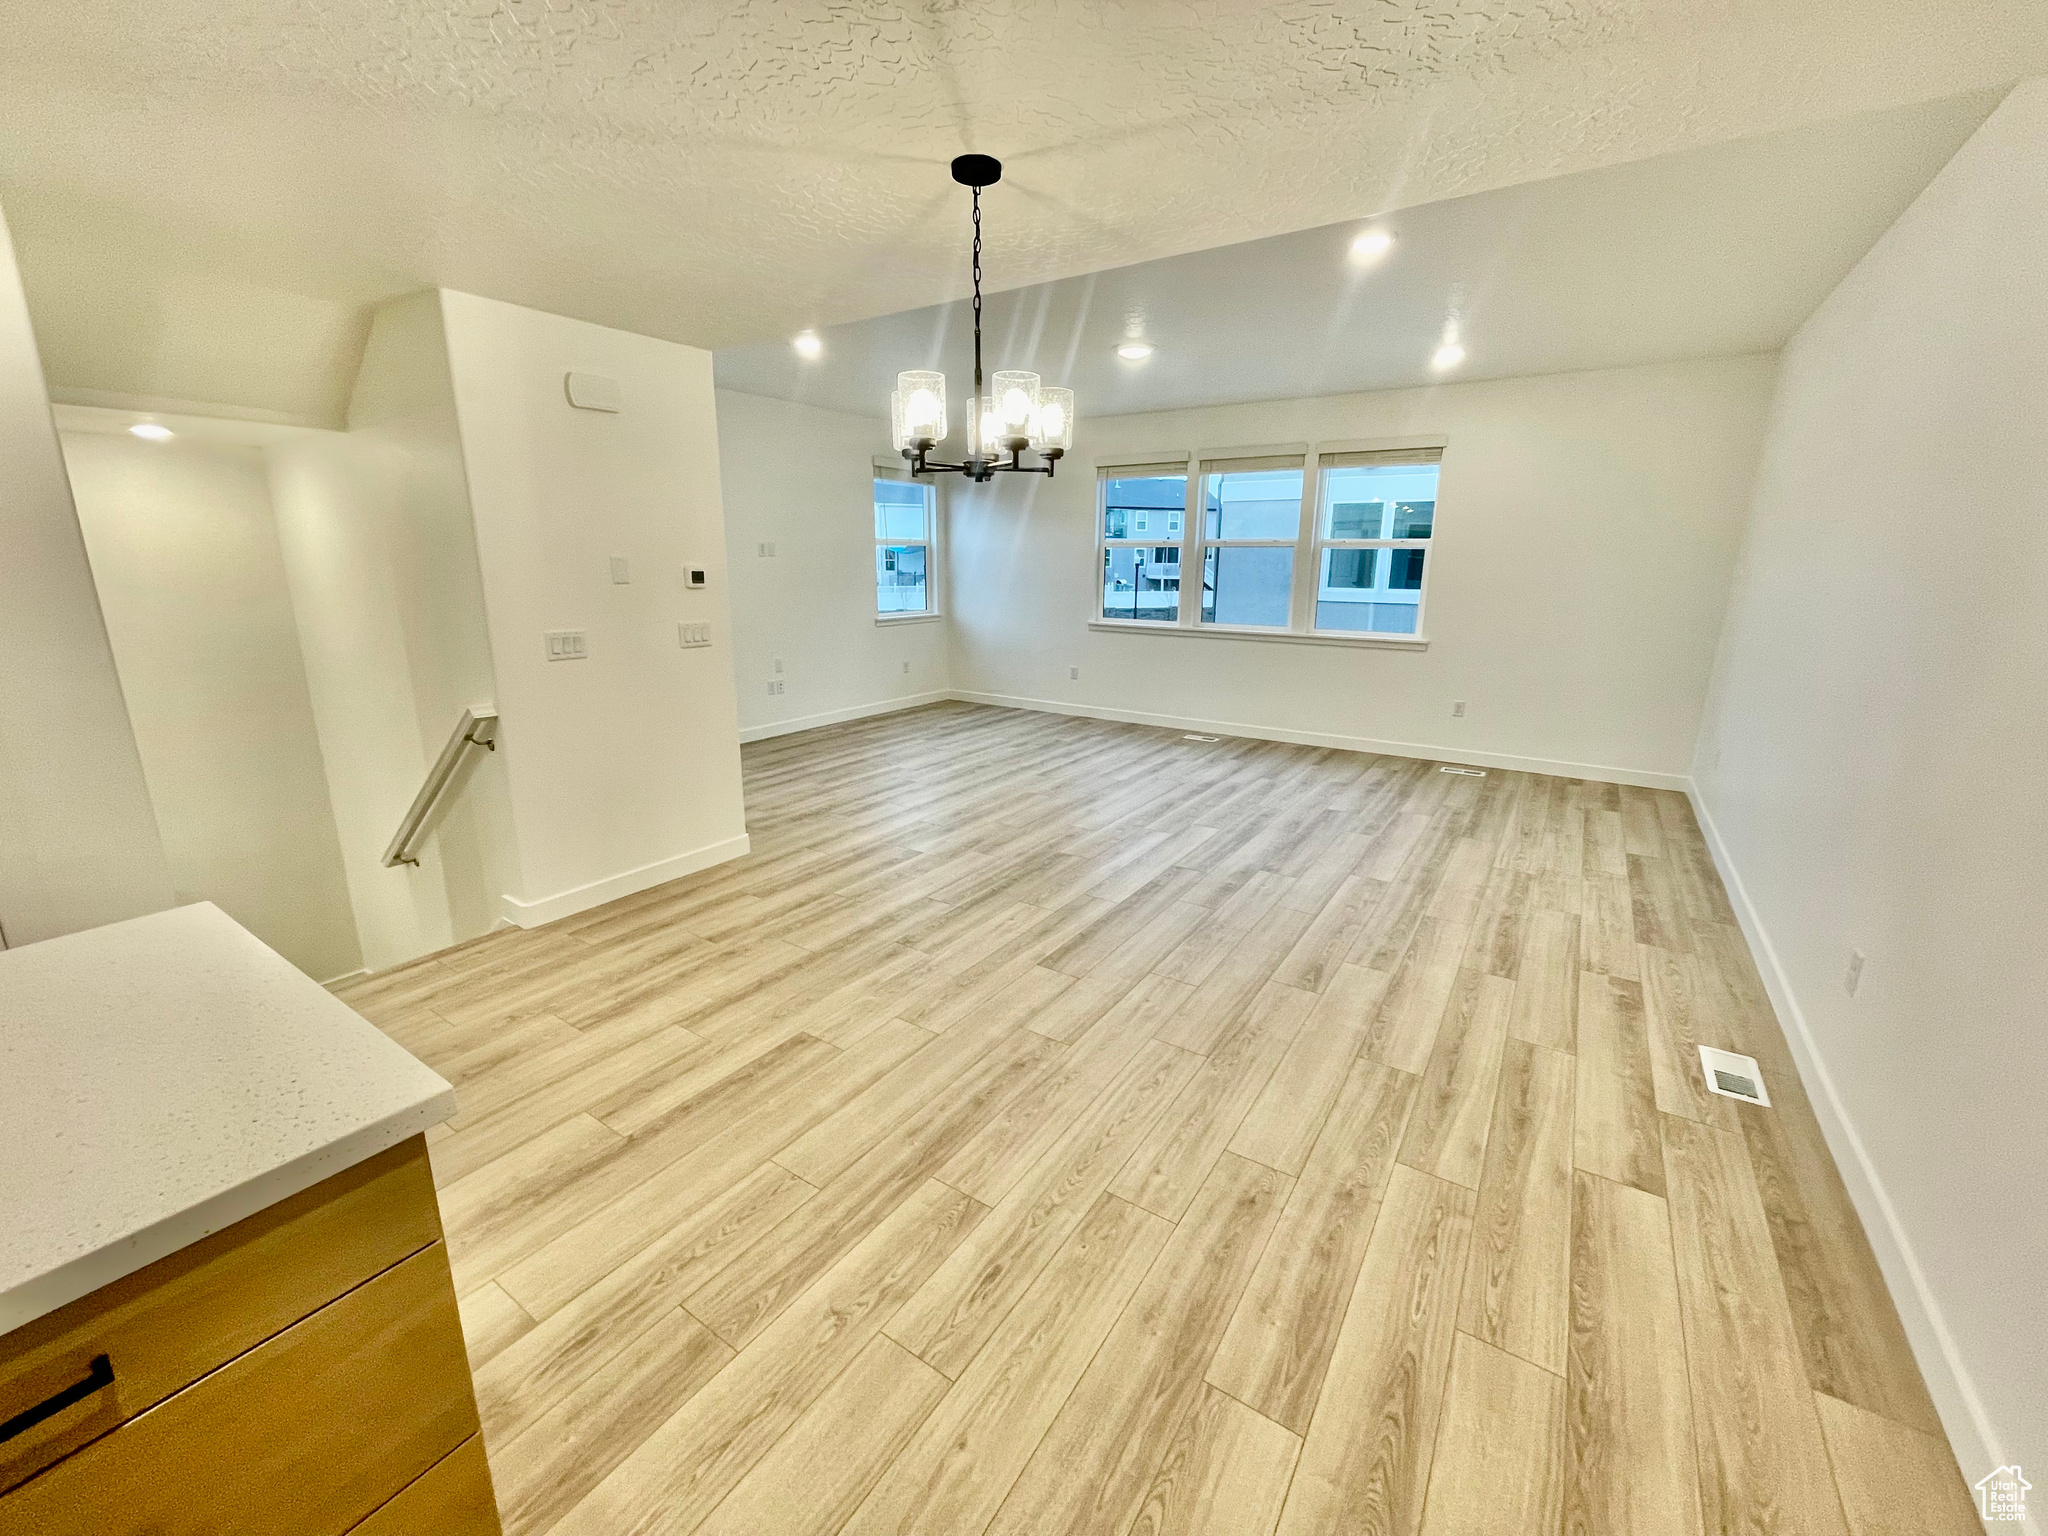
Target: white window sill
(1284, 637)
(884, 620)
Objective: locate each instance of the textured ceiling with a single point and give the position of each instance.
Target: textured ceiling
(1709, 252)
(716, 172)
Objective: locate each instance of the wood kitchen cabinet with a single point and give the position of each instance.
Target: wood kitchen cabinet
(298, 1373)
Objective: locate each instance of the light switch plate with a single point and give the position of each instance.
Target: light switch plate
(566, 644)
(690, 635)
(622, 572)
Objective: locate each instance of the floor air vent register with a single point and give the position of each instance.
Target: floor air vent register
(1733, 1076)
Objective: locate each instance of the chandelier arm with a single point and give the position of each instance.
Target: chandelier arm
(920, 464)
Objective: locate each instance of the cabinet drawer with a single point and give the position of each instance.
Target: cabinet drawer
(451, 1498)
(306, 1434)
(192, 1311)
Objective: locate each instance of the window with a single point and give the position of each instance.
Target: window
(1140, 577)
(1251, 521)
(1375, 515)
(903, 543)
(1302, 544)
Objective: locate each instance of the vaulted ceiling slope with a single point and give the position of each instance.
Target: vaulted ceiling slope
(715, 171)
(1709, 252)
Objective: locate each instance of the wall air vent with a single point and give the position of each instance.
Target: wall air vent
(1191, 736)
(1733, 1076)
(1477, 773)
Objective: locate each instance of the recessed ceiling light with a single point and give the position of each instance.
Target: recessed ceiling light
(1371, 246)
(150, 430)
(1449, 355)
(809, 346)
(1134, 351)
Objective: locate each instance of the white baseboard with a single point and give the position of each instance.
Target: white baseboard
(836, 716)
(1432, 752)
(335, 981)
(548, 909)
(1971, 1435)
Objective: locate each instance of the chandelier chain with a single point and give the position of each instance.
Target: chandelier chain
(974, 423)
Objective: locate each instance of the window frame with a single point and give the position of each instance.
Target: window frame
(1326, 461)
(1238, 461)
(1161, 466)
(1308, 543)
(929, 544)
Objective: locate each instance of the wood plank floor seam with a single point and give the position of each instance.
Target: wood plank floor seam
(1057, 1126)
(1538, 1364)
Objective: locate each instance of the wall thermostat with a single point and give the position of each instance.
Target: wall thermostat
(696, 576)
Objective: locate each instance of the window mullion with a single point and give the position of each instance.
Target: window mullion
(1301, 609)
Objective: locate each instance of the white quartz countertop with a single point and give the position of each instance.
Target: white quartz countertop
(163, 1078)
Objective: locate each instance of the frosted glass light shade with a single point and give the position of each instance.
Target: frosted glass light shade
(1014, 400)
(1052, 429)
(918, 408)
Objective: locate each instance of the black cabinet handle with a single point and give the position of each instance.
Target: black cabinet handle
(99, 1376)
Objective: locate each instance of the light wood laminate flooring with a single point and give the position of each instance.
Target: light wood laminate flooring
(1055, 1126)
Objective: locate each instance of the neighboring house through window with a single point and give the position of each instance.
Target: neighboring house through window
(1375, 517)
(903, 548)
(1251, 520)
(1140, 576)
(1329, 542)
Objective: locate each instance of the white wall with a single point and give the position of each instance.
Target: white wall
(622, 769)
(114, 325)
(379, 552)
(78, 839)
(1587, 526)
(1875, 760)
(801, 478)
(186, 561)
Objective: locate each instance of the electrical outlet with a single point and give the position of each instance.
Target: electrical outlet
(1457, 709)
(566, 644)
(1852, 978)
(775, 688)
(622, 572)
(1073, 674)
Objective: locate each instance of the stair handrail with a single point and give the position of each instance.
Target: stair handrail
(478, 727)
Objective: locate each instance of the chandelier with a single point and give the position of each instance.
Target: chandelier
(1015, 414)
